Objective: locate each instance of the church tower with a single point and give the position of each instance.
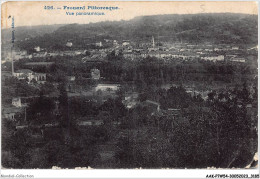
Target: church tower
(153, 42)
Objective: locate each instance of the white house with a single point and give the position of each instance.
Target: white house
(90, 123)
(95, 74)
(11, 112)
(214, 58)
(69, 44)
(39, 77)
(236, 59)
(235, 48)
(23, 74)
(99, 44)
(37, 49)
(115, 43)
(17, 102)
(125, 43)
(71, 78)
(105, 87)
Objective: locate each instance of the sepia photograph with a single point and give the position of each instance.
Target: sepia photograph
(129, 85)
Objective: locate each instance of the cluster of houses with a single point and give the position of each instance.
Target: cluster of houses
(16, 109)
(181, 53)
(207, 52)
(138, 50)
(130, 100)
(95, 74)
(107, 87)
(26, 74)
(95, 56)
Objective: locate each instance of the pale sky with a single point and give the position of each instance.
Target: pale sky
(33, 13)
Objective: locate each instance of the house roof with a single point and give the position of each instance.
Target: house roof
(24, 71)
(152, 102)
(39, 63)
(108, 85)
(90, 122)
(16, 99)
(11, 110)
(95, 70)
(238, 58)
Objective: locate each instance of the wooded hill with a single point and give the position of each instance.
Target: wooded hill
(224, 28)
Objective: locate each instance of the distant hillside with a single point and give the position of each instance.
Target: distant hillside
(22, 33)
(223, 28)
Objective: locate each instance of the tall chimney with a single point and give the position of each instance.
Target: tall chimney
(12, 61)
